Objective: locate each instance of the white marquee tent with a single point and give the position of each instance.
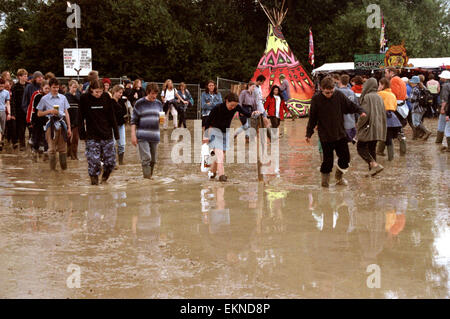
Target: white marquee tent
(424, 63)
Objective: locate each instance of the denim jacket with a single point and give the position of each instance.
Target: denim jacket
(214, 100)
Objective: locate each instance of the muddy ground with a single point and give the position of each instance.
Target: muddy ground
(182, 236)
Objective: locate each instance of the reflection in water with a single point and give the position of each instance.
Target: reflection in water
(204, 239)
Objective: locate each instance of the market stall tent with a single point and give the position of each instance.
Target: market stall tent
(418, 63)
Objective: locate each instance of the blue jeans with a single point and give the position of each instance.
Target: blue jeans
(148, 152)
(417, 118)
(443, 126)
(122, 142)
(244, 127)
(441, 123)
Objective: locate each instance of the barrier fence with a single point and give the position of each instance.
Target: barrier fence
(193, 112)
(224, 86)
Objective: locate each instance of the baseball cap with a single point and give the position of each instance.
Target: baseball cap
(415, 79)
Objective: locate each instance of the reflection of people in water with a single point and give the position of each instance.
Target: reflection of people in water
(250, 194)
(335, 213)
(146, 221)
(395, 219)
(101, 214)
(220, 216)
(275, 203)
(221, 239)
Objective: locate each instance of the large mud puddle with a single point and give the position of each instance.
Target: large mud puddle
(182, 236)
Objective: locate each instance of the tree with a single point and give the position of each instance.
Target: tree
(195, 40)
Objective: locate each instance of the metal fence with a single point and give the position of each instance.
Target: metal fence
(224, 86)
(193, 112)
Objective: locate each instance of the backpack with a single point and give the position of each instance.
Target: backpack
(425, 97)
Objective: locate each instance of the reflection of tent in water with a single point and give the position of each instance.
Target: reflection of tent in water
(279, 59)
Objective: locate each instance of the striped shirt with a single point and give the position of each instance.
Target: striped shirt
(146, 118)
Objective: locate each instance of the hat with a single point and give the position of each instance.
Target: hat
(415, 79)
(106, 80)
(405, 79)
(37, 74)
(445, 75)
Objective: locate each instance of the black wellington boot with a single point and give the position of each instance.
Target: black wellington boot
(53, 162)
(94, 180)
(63, 161)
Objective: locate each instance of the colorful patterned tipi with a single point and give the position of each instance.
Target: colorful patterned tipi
(279, 59)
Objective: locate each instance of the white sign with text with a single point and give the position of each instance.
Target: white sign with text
(77, 60)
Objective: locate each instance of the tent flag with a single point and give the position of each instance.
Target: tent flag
(383, 40)
(311, 48)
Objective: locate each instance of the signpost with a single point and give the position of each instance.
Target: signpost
(369, 61)
(77, 62)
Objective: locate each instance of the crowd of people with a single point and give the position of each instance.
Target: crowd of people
(373, 114)
(217, 115)
(58, 116)
(361, 110)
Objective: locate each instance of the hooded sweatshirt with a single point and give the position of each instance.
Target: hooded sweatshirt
(98, 113)
(373, 126)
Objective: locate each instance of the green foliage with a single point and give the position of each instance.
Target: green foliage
(194, 40)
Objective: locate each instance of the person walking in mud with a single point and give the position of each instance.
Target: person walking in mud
(57, 129)
(327, 111)
(398, 87)
(443, 128)
(371, 128)
(97, 126)
(145, 128)
(216, 134)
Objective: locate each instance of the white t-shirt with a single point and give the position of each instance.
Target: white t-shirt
(259, 99)
(169, 94)
(277, 105)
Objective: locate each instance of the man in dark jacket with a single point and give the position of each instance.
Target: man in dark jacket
(18, 121)
(327, 110)
(34, 86)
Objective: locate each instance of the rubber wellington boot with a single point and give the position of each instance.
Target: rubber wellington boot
(121, 159)
(63, 161)
(34, 156)
(325, 180)
(152, 166)
(380, 148)
(94, 180)
(415, 133)
(448, 144)
(426, 131)
(105, 176)
(390, 151)
(53, 162)
(339, 178)
(402, 142)
(439, 137)
(147, 171)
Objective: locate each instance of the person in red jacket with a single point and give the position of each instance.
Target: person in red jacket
(275, 106)
(358, 87)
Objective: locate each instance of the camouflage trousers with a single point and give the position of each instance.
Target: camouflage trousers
(98, 152)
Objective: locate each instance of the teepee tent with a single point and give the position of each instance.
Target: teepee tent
(279, 59)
